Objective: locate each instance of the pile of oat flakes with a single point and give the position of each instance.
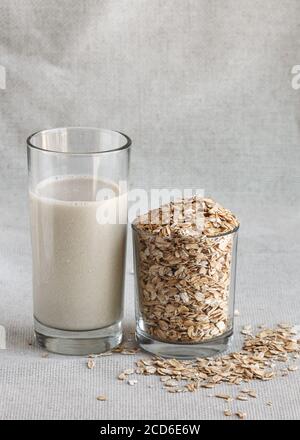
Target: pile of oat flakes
(265, 355)
(184, 253)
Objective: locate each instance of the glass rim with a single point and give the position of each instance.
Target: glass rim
(223, 234)
(125, 146)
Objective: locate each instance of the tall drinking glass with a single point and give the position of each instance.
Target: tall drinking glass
(78, 210)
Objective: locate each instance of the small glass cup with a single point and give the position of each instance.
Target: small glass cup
(78, 210)
(184, 308)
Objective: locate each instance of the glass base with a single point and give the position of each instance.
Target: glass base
(204, 349)
(78, 342)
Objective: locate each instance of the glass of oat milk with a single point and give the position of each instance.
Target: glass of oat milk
(78, 210)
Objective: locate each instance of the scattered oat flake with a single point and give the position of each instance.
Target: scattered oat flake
(284, 325)
(126, 349)
(106, 353)
(102, 398)
(241, 397)
(150, 370)
(165, 378)
(171, 383)
(132, 382)
(293, 368)
(227, 412)
(241, 414)
(91, 364)
(191, 387)
(250, 393)
(208, 385)
(269, 403)
(171, 389)
(246, 330)
(129, 352)
(223, 396)
(236, 312)
(122, 376)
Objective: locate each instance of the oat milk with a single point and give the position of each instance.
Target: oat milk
(78, 260)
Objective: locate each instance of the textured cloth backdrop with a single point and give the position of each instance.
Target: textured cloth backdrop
(203, 87)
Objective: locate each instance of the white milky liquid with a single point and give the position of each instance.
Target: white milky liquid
(78, 261)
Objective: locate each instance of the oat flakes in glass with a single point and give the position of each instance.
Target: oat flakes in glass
(185, 278)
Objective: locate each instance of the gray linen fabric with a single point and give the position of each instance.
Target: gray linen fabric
(203, 87)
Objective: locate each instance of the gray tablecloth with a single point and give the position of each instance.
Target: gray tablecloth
(204, 89)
